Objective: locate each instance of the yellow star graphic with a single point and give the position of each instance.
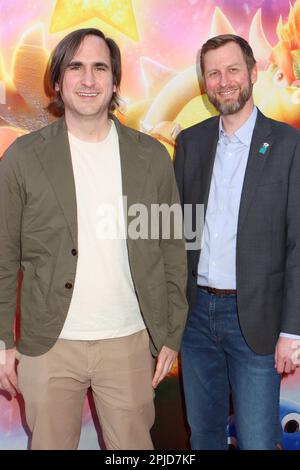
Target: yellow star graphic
(117, 13)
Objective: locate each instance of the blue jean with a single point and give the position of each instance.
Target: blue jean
(215, 360)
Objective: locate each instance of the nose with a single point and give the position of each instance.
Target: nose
(224, 78)
(88, 78)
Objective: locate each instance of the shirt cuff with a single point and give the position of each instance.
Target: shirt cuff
(288, 335)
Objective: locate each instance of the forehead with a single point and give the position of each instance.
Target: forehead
(92, 48)
(229, 53)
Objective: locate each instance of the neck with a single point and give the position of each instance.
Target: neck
(88, 130)
(232, 122)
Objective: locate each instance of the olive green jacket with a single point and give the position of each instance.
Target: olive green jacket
(38, 233)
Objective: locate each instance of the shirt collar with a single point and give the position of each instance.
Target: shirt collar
(244, 133)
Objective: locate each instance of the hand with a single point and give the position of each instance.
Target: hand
(164, 364)
(8, 376)
(286, 355)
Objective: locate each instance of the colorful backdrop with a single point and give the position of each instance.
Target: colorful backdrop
(161, 93)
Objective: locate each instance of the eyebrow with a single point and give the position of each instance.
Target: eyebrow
(97, 64)
(236, 64)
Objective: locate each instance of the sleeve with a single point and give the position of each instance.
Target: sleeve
(11, 208)
(179, 162)
(174, 256)
(287, 335)
(291, 304)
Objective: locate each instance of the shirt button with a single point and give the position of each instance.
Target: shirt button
(68, 285)
(74, 252)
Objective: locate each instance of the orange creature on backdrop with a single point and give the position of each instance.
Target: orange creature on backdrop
(180, 103)
(22, 97)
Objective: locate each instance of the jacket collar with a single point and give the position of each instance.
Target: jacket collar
(53, 152)
(260, 147)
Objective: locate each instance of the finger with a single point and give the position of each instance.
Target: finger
(276, 358)
(165, 370)
(157, 379)
(160, 372)
(292, 364)
(156, 374)
(14, 380)
(289, 366)
(296, 359)
(280, 365)
(164, 364)
(7, 387)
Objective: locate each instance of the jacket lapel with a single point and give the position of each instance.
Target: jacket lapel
(258, 154)
(134, 166)
(199, 167)
(53, 151)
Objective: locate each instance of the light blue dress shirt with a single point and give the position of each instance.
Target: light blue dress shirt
(217, 260)
(217, 263)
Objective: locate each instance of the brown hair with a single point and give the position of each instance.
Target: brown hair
(221, 40)
(61, 57)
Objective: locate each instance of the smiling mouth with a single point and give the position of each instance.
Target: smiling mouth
(227, 92)
(85, 94)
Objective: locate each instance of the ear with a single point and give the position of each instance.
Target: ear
(56, 87)
(114, 89)
(254, 74)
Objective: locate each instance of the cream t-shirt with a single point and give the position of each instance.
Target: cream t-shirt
(104, 304)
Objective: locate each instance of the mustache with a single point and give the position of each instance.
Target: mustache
(227, 88)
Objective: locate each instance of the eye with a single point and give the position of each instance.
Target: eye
(279, 79)
(212, 74)
(291, 423)
(74, 67)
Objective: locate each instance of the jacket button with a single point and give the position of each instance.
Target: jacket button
(68, 285)
(74, 252)
(194, 274)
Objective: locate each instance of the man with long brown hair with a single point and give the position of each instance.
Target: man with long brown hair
(96, 304)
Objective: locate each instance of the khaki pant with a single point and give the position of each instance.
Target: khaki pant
(119, 372)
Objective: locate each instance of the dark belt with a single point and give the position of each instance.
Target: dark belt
(213, 290)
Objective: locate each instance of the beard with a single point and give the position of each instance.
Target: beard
(232, 107)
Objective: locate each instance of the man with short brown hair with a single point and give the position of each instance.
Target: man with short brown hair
(243, 284)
